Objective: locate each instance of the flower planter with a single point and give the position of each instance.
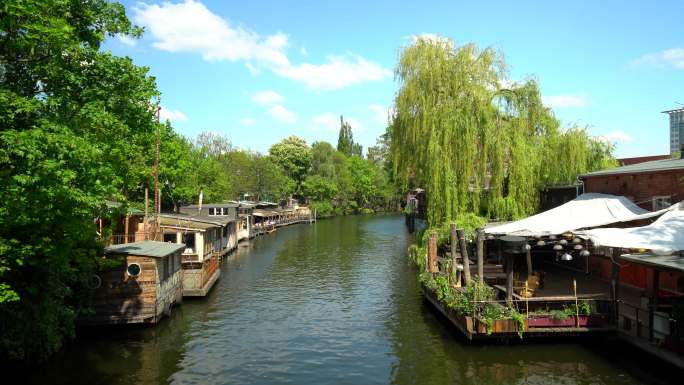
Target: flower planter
(549, 322)
(499, 326)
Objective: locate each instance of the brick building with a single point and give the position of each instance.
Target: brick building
(651, 185)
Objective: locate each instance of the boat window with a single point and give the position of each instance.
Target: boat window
(211, 211)
(133, 269)
(189, 240)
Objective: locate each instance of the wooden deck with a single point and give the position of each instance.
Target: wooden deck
(469, 328)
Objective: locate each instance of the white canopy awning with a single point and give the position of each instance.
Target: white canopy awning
(664, 236)
(584, 212)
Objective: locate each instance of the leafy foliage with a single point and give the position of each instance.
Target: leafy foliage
(476, 142)
(74, 123)
(293, 155)
(345, 142)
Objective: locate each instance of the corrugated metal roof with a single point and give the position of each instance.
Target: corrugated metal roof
(145, 248)
(656, 165)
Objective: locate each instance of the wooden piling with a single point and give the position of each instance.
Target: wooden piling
(454, 250)
(480, 255)
(432, 253)
(126, 222)
(464, 252)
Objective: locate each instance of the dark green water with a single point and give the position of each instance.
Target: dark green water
(331, 303)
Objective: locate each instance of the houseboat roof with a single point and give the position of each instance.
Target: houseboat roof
(673, 262)
(264, 213)
(207, 205)
(186, 221)
(265, 204)
(645, 167)
(145, 248)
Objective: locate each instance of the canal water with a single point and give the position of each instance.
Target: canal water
(330, 303)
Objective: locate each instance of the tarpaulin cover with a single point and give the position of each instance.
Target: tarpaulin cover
(584, 212)
(664, 236)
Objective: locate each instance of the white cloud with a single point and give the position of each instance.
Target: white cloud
(174, 116)
(282, 114)
(326, 122)
(616, 136)
(127, 40)
(192, 28)
(673, 57)
(303, 51)
(267, 98)
(247, 121)
(338, 72)
(381, 113)
(564, 101)
(356, 125)
(331, 122)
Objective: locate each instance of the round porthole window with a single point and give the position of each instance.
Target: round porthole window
(95, 281)
(133, 270)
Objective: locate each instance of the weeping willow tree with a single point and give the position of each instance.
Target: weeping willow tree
(475, 141)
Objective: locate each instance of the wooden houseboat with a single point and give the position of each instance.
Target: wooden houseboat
(200, 255)
(245, 222)
(223, 213)
(142, 288)
(123, 226)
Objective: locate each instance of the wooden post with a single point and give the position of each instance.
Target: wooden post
(432, 253)
(615, 285)
(146, 220)
(480, 255)
(464, 252)
(509, 277)
(574, 290)
(454, 248)
(653, 303)
(126, 228)
(499, 252)
(528, 256)
(527, 303)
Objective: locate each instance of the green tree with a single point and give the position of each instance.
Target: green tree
(345, 140)
(319, 188)
(293, 155)
(76, 127)
(474, 142)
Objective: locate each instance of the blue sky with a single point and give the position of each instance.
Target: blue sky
(258, 71)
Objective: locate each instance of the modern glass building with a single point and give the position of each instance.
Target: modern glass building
(676, 128)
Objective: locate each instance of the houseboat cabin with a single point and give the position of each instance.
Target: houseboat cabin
(200, 255)
(125, 225)
(245, 221)
(225, 214)
(142, 288)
